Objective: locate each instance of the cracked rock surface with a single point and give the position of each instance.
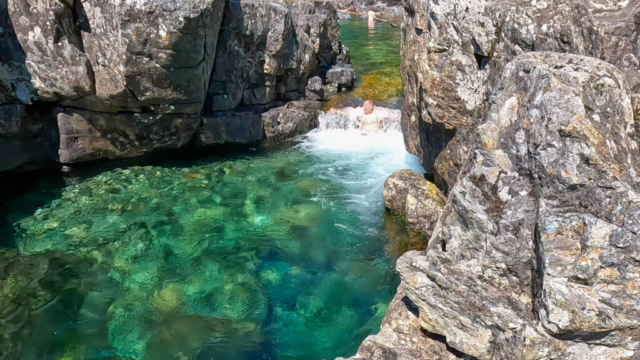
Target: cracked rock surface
(455, 51)
(535, 255)
(133, 67)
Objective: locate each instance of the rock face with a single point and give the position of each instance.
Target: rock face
(402, 338)
(418, 200)
(454, 52)
(389, 8)
(89, 135)
(142, 74)
(270, 50)
(617, 26)
(536, 253)
(296, 118)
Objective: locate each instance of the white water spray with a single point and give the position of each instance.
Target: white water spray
(360, 159)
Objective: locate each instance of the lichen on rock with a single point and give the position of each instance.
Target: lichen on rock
(540, 225)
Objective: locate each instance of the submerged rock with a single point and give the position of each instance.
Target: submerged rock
(418, 200)
(38, 294)
(535, 254)
(381, 85)
(245, 251)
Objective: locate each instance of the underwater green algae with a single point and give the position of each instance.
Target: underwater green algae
(382, 85)
(254, 258)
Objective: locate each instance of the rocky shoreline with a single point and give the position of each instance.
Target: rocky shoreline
(98, 79)
(387, 9)
(526, 116)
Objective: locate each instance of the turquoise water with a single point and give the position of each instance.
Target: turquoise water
(280, 254)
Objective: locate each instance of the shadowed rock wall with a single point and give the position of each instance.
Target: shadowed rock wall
(91, 79)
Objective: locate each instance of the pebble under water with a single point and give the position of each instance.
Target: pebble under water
(287, 254)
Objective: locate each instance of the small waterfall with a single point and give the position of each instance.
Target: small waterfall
(381, 120)
(360, 151)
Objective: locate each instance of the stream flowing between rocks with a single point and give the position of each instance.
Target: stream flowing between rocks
(279, 254)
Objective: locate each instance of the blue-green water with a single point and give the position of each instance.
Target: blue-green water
(284, 254)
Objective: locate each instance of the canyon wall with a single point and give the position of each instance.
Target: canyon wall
(89, 79)
(525, 114)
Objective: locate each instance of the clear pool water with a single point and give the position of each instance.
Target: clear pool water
(280, 254)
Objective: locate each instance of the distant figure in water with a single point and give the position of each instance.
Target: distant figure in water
(372, 18)
(372, 15)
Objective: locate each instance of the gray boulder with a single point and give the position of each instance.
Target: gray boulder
(418, 200)
(31, 291)
(155, 54)
(344, 58)
(55, 64)
(88, 135)
(454, 51)
(295, 118)
(402, 338)
(341, 77)
(536, 253)
(315, 90)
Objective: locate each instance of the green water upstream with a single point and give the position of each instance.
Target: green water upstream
(375, 54)
(281, 254)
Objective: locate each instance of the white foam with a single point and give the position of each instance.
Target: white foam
(360, 160)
